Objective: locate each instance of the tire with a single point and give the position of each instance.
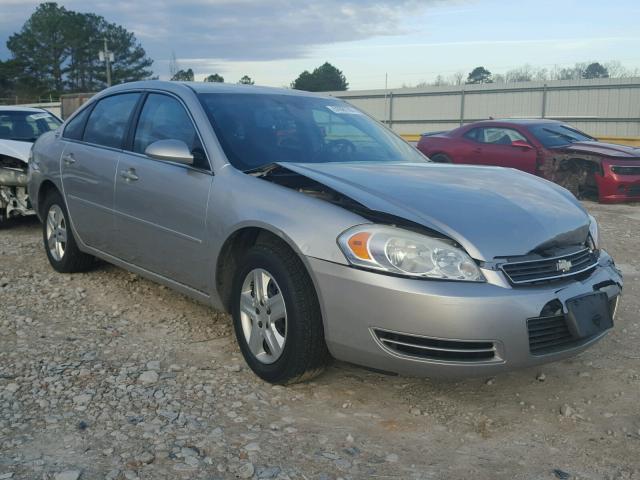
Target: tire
(3, 218)
(440, 158)
(304, 353)
(68, 258)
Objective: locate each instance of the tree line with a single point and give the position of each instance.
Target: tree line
(325, 78)
(56, 51)
(528, 73)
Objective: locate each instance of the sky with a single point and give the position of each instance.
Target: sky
(403, 42)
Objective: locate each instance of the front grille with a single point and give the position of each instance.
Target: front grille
(550, 333)
(633, 190)
(435, 349)
(551, 268)
(626, 169)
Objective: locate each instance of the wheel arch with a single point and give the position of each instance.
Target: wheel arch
(237, 244)
(45, 188)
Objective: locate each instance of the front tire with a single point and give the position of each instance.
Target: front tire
(276, 316)
(59, 243)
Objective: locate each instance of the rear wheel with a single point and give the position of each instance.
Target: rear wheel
(440, 158)
(59, 244)
(277, 317)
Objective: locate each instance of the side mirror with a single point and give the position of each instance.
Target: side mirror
(521, 144)
(171, 151)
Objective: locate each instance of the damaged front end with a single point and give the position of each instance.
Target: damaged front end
(14, 199)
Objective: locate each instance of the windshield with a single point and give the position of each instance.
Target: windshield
(26, 126)
(558, 135)
(257, 129)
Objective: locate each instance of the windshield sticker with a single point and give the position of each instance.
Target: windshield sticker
(344, 110)
(38, 116)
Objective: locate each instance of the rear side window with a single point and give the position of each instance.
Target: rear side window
(75, 127)
(109, 119)
(164, 118)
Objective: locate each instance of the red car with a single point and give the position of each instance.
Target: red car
(547, 148)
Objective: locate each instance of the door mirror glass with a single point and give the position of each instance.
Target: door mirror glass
(171, 151)
(521, 144)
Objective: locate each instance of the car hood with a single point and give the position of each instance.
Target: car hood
(492, 212)
(604, 149)
(15, 149)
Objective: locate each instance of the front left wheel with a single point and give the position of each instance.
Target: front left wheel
(276, 316)
(59, 243)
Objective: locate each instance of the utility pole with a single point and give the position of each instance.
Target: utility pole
(107, 57)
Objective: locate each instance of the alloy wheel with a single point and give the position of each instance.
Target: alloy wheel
(263, 316)
(56, 232)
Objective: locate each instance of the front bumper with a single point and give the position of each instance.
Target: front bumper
(355, 303)
(615, 188)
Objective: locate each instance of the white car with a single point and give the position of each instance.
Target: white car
(20, 127)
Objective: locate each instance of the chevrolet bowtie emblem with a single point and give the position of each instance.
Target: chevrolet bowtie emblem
(564, 265)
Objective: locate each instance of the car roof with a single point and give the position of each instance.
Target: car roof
(16, 108)
(213, 87)
(518, 121)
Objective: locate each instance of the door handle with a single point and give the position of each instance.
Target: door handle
(477, 150)
(129, 175)
(68, 159)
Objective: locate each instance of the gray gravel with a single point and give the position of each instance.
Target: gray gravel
(107, 375)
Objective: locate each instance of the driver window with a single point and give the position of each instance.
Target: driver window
(499, 136)
(164, 118)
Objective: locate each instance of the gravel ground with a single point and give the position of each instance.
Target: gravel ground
(107, 375)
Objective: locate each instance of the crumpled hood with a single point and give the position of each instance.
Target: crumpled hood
(19, 150)
(491, 211)
(605, 149)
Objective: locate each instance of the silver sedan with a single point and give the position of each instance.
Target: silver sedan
(322, 232)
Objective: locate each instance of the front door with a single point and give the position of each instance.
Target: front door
(495, 146)
(161, 206)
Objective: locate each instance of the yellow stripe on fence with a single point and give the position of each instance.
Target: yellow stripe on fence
(632, 141)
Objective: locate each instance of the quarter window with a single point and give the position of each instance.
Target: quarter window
(75, 127)
(164, 118)
(109, 119)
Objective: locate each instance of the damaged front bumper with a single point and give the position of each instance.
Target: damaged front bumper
(14, 199)
(450, 329)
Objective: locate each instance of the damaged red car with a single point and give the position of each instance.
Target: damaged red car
(551, 149)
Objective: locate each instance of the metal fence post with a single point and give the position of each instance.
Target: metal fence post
(544, 100)
(390, 121)
(462, 106)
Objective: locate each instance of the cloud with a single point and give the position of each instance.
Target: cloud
(238, 30)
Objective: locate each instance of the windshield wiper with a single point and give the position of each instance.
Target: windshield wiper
(262, 169)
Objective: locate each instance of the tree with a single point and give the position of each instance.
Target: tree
(522, 74)
(479, 75)
(595, 70)
(8, 72)
(183, 76)
(131, 62)
(246, 80)
(325, 78)
(215, 78)
(457, 78)
(57, 50)
(41, 47)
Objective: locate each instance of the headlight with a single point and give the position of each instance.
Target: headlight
(403, 252)
(594, 232)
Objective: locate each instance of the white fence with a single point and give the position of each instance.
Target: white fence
(601, 107)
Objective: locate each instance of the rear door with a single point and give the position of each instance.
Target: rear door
(494, 146)
(94, 140)
(161, 206)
